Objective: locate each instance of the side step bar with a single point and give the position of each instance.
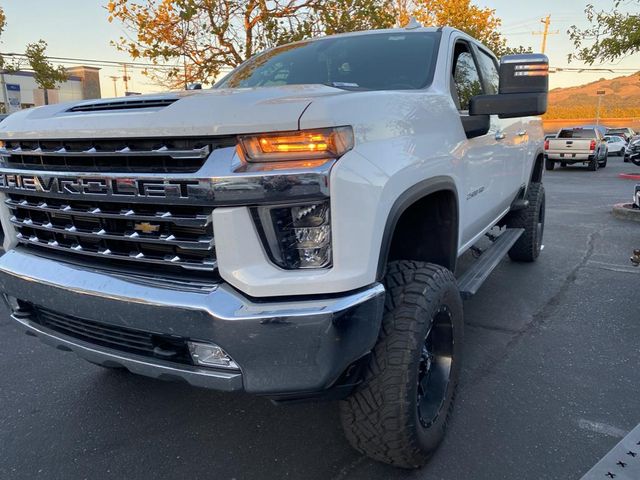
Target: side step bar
(472, 279)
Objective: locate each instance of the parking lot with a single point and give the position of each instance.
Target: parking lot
(550, 381)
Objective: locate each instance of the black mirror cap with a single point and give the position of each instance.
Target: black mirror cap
(526, 73)
(194, 86)
(509, 105)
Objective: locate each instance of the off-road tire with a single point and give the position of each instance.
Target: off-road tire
(528, 246)
(593, 164)
(380, 418)
(549, 164)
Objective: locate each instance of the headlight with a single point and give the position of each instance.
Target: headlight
(300, 145)
(296, 236)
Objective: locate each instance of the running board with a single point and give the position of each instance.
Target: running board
(472, 279)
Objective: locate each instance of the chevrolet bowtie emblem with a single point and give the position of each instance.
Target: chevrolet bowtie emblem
(146, 227)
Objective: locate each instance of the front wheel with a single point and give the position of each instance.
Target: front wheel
(399, 413)
(531, 219)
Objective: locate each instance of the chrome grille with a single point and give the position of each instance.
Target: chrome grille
(161, 155)
(179, 236)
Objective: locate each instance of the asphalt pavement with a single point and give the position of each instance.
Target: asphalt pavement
(551, 381)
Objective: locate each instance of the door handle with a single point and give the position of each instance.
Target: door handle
(500, 136)
(522, 133)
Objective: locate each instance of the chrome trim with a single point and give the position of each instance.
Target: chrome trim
(125, 152)
(130, 214)
(283, 345)
(205, 243)
(217, 189)
(198, 377)
(207, 265)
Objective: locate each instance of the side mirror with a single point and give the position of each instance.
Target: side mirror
(194, 86)
(524, 87)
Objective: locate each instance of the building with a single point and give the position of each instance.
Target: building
(21, 91)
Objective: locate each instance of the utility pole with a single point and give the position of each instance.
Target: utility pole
(545, 33)
(115, 87)
(125, 78)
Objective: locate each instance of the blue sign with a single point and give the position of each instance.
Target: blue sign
(13, 87)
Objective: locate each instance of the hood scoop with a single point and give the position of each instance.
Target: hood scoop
(123, 105)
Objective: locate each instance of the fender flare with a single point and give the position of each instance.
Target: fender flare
(403, 202)
(537, 168)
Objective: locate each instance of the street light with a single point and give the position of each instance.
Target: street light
(600, 94)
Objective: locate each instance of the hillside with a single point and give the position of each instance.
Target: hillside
(621, 99)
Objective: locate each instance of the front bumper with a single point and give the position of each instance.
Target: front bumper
(283, 346)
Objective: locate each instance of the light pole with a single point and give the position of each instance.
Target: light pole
(600, 94)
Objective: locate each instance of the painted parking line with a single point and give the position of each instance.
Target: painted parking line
(622, 462)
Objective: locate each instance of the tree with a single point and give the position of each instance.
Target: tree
(200, 38)
(3, 24)
(612, 34)
(480, 23)
(45, 74)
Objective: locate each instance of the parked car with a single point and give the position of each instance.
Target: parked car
(633, 147)
(584, 145)
(293, 232)
(616, 145)
(625, 133)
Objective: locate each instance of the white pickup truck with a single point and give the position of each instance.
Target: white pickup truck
(293, 232)
(584, 145)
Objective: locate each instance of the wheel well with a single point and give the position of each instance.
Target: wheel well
(427, 230)
(538, 168)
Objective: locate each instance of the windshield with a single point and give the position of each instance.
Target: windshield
(379, 61)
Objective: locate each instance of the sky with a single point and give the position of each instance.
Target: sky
(79, 29)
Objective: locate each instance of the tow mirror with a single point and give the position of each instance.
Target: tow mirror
(524, 87)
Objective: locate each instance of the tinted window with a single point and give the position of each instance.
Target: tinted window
(489, 72)
(372, 62)
(578, 133)
(466, 79)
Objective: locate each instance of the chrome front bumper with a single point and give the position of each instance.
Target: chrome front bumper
(282, 346)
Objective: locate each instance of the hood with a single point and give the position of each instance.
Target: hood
(188, 113)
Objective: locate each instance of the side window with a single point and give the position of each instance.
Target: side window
(489, 72)
(466, 78)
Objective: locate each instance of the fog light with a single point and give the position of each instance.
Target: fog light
(211, 355)
(298, 236)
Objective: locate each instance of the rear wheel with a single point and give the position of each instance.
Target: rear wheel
(603, 163)
(528, 246)
(549, 164)
(399, 413)
(593, 164)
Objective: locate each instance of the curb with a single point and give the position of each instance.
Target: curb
(630, 176)
(625, 211)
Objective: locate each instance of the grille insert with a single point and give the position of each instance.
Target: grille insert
(135, 233)
(162, 155)
(125, 339)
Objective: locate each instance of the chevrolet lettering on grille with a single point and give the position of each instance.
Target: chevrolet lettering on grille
(98, 186)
